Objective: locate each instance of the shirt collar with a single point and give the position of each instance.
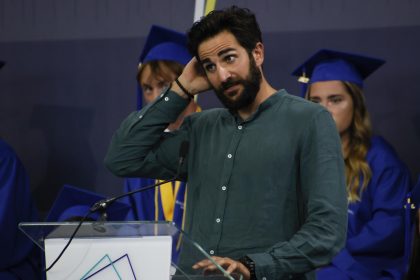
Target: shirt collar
(263, 106)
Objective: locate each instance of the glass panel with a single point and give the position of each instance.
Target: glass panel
(185, 252)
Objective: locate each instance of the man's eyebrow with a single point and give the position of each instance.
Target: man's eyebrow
(204, 61)
(222, 52)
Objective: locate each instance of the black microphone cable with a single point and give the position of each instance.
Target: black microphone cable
(70, 240)
(103, 204)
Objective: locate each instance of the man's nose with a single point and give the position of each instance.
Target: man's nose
(224, 74)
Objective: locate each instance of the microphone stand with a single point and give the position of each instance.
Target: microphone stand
(102, 205)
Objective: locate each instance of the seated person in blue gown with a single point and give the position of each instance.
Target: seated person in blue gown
(162, 60)
(414, 235)
(74, 203)
(19, 257)
(377, 181)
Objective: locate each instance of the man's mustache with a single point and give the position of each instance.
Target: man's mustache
(229, 83)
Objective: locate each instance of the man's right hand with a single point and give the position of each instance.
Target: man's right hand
(192, 79)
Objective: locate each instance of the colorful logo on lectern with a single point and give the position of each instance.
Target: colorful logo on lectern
(105, 268)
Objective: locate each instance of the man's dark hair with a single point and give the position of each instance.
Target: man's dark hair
(241, 22)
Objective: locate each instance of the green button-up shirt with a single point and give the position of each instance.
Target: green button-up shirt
(271, 187)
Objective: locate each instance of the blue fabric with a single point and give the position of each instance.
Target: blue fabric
(375, 237)
(163, 44)
(415, 194)
(332, 65)
(73, 202)
(143, 207)
(18, 255)
(411, 207)
(336, 70)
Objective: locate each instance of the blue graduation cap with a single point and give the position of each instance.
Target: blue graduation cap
(74, 203)
(163, 44)
(330, 65)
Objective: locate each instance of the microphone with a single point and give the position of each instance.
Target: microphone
(102, 205)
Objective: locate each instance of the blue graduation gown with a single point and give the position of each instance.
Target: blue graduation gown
(148, 205)
(144, 207)
(375, 236)
(18, 255)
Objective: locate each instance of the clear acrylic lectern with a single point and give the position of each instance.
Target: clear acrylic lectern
(120, 250)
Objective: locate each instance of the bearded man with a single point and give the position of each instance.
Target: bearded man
(266, 189)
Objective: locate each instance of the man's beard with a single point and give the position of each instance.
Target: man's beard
(251, 86)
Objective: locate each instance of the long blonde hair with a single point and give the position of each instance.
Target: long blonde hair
(358, 172)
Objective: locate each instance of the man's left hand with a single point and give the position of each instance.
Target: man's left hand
(231, 266)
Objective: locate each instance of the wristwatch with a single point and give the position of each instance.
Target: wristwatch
(248, 263)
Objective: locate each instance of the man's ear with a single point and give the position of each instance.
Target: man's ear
(258, 54)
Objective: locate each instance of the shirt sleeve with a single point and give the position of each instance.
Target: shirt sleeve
(141, 148)
(322, 193)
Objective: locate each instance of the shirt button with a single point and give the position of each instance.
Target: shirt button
(218, 220)
(264, 278)
(223, 188)
(141, 116)
(211, 252)
(229, 156)
(239, 127)
(166, 98)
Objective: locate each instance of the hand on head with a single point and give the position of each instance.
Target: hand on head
(193, 78)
